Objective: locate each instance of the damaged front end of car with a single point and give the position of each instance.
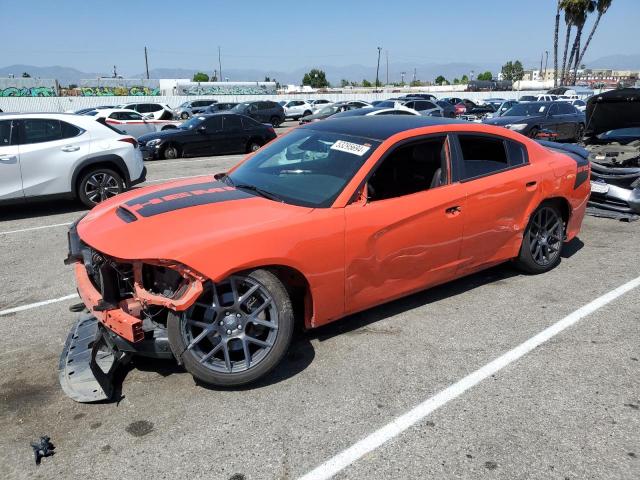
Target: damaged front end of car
(612, 137)
(125, 305)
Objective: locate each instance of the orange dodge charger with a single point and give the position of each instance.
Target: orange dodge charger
(330, 219)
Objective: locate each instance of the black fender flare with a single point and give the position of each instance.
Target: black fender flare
(112, 159)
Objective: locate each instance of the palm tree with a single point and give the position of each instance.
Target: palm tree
(555, 45)
(566, 5)
(601, 6)
(583, 9)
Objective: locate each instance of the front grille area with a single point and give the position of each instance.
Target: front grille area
(114, 280)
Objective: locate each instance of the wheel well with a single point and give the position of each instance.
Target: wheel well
(299, 291)
(171, 144)
(94, 166)
(563, 205)
(258, 140)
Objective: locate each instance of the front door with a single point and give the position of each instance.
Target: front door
(234, 138)
(407, 235)
(10, 176)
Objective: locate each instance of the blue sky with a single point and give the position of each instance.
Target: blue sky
(284, 35)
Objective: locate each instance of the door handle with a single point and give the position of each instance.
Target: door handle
(70, 148)
(8, 158)
(453, 210)
(531, 184)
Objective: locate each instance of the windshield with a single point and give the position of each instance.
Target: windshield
(527, 98)
(306, 167)
(526, 110)
(328, 110)
(241, 107)
(282, 103)
(387, 104)
(192, 123)
(630, 132)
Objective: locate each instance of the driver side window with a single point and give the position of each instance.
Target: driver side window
(409, 169)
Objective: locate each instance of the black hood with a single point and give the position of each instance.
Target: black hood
(613, 110)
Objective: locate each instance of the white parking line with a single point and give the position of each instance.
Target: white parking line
(345, 458)
(36, 228)
(37, 304)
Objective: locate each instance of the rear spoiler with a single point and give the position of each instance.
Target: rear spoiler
(577, 153)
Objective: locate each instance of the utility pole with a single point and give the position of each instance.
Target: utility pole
(415, 75)
(378, 67)
(387, 52)
(146, 61)
(115, 72)
(541, 57)
(402, 74)
(546, 62)
(220, 62)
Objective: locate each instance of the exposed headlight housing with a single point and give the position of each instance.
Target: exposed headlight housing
(517, 126)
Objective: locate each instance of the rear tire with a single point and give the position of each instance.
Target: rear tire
(275, 121)
(99, 184)
(307, 112)
(579, 132)
(227, 313)
(542, 240)
(533, 133)
(184, 115)
(253, 146)
(170, 152)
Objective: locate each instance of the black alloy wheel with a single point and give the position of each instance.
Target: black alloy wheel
(543, 240)
(236, 332)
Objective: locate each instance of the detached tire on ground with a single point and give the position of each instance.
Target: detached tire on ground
(236, 332)
(542, 240)
(99, 184)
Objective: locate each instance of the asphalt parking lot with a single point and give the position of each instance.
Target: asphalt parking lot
(569, 409)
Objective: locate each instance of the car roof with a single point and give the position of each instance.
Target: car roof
(379, 127)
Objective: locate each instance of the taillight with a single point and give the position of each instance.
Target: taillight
(130, 140)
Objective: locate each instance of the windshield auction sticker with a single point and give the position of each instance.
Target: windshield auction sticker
(349, 147)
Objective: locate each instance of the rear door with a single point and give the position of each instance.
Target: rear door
(49, 149)
(499, 184)
(10, 176)
(234, 138)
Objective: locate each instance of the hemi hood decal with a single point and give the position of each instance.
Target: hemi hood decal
(184, 196)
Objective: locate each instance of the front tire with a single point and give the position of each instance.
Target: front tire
(184, 115)
(170, 152)
(542, 240)
(579, 132)
(236, 332)
(533, 133)
(98, 185)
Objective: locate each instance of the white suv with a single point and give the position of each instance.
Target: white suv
(157, 111)
(296, 109)
(65, 155)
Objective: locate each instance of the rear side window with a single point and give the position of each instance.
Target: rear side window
(40, 130)
(5, 133)
(70, 131)
(249, 123)
(482, 156)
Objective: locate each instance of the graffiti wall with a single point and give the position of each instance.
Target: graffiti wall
(119, 87)
(28, 87)
(226, 88)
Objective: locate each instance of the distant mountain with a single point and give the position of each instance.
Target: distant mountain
(355, 73)
(616, 62)
(64, 75)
